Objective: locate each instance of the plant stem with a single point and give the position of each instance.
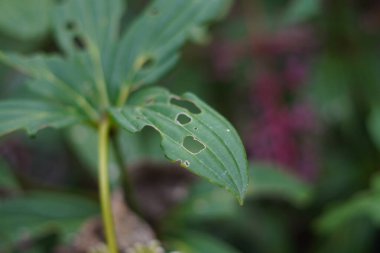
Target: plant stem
(123, 95)
(105, 200)
(99, 74)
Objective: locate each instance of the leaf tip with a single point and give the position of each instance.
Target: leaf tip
(241, 198)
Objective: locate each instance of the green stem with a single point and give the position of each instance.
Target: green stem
(105, 200)
(123, 95)
(99, 74)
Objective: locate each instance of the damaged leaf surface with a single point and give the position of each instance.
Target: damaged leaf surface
(205, 143)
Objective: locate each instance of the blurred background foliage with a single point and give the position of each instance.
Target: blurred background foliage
(300, 79)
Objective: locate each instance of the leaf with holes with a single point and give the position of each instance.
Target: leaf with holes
(144, 52)
(34, 115)
(98, 62)
(88, 23)
(150, 46)
(90, 28)
(192, 134)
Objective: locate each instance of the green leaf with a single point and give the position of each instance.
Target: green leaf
(7, 179)
(33, 116)
(98, 65)
(365, 204)
(192, 134)
(272, 181)
(78, 78)
(152, 247)
(330, 89)
(25, 20)
(38, 212)
(204, 203)
(150, 46)
(375, 184)
(90, 28)
(300, 11)
(145, 51)
(95, 22)
(373, 125)
(57, 79)
(195, 242)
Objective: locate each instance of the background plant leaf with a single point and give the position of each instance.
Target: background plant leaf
(205, 203)
(192, 134)
(42, 211)
(32, 116)
(7, 179)
(152, 247)
(299, 11)
(373, 125)
(272, 181)
(194, 242)
(25, 20)
(364, 204)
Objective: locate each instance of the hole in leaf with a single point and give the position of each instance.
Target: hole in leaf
(183, 119)
(154, 11)
(79, 42)
(144, 62)
(196, 128)
(147, 63)
(178, 162)
(193, 145)
(150, 101)
(181, 163)
(190, 106)
(70, 25)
